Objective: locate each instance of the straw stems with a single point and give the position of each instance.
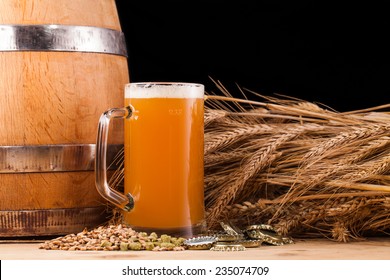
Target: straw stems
(307, 170)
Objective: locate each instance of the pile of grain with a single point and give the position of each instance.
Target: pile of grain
(114, 238)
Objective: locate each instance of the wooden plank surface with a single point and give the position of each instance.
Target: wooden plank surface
(318, 249)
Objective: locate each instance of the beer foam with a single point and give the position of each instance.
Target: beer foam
(164, 90)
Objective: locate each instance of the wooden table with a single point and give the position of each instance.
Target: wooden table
(307, 249)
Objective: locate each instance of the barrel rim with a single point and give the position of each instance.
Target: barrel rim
(46, 222)
(53, 158)
(62, 38)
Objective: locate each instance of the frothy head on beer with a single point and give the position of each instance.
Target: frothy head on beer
(164, 90)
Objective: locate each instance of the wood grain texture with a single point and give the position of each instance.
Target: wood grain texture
(55, 98)
(31, 191)
(317, 249)
(101, 13)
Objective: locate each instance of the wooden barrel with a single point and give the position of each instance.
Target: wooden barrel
(62, 63)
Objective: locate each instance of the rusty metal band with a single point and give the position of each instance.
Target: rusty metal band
(52, 158)
(47, 222)
(63, 38)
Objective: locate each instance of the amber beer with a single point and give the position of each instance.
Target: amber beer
(163, 142)
(164, 157)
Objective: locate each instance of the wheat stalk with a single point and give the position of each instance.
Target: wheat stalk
(331, 173)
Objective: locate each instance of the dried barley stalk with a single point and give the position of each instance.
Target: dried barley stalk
(307, 170)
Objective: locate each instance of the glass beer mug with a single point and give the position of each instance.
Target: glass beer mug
(163, 182)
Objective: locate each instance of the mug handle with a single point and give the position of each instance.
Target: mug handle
(124, 202)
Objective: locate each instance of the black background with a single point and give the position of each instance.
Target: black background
(338, 56)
